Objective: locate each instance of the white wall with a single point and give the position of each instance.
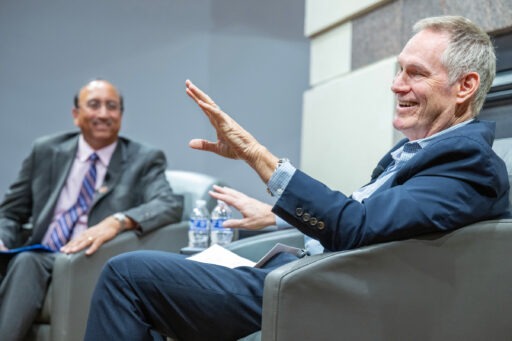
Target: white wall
(323, 14)
(347, 117)
(346, 126)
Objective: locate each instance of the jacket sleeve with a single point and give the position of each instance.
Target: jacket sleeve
(16, 207)
(443, 189)
(159, 206)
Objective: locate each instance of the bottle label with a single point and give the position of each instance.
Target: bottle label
(218, 223)
(198, 224)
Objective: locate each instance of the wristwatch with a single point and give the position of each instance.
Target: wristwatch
(121, 218)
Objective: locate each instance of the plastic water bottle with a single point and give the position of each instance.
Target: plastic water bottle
(199, 222)
(219, 234)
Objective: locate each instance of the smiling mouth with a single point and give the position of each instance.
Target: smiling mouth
(98, 123)
(406, 104)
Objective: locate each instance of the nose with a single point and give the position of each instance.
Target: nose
(399, 84)
(102, 111)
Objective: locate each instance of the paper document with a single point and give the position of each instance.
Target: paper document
(216, 254)
(219, 255)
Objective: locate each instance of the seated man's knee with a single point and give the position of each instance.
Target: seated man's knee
(122, 261)
(125, 262)
(25, 260)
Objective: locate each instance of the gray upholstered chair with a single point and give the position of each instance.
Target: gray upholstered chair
(451, 286)
(64, 315)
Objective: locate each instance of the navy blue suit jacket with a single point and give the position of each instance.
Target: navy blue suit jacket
(454, 181)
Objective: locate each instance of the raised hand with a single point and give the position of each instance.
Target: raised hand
(233, 141)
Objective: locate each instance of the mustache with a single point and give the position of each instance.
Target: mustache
(107, 121)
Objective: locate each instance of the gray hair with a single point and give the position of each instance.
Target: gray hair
(470, 50)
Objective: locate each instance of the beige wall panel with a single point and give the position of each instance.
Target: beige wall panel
(321, 14)
(347, 126)
(331, 53)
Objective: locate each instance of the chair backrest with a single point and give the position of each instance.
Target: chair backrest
(192, 186)
(503, 147)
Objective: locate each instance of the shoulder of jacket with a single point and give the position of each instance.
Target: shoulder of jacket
(56, 138)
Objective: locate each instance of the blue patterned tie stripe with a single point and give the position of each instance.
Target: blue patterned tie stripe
(63, 226)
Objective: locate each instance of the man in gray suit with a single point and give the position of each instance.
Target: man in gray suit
(128, 191)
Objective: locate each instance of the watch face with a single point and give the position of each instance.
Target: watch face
(120, 216)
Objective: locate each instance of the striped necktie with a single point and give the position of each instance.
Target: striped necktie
(408, 151)
(63, 226)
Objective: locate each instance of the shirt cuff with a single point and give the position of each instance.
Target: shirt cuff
(280, 179)
(281, 224)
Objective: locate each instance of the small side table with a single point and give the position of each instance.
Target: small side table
(189, 251)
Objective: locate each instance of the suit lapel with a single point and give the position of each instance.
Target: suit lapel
(385, 161)
(61, 159)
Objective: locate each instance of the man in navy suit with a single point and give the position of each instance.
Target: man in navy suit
(131, 193)
(442, 176)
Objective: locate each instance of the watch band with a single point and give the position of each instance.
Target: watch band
(121, 218)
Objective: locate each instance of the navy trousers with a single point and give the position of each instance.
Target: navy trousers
(143, 291)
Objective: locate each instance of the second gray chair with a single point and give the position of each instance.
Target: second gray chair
(65, 311)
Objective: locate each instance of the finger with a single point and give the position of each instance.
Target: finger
(73, 247)
(219, 189)
(209, 108)
(77, 244)
(201, 144)
(191, 94)
(199, 97)
(234, 223)
(199, 101)
(197, 93)
(230, 191)
(214, 114)
(222, 189)
(228, 199)
(94, 247)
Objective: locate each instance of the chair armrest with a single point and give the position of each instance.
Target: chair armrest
(254, 248)
(453, 286)
(74, 276)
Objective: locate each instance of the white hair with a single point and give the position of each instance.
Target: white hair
(470, 50)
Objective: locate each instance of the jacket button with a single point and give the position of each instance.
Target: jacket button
(320, 225)
(299, 211)
(313, 221)
(306, 217)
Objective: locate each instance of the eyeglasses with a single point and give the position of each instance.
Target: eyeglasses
(94, 104)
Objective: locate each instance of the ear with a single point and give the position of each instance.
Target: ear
(75, 113)
(468, 85)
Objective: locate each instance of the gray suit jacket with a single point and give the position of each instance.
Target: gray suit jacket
(134, 184)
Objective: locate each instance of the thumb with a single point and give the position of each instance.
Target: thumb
(201, 144)
(233, 223)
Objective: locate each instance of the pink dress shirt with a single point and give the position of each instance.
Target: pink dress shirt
(69, 194)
